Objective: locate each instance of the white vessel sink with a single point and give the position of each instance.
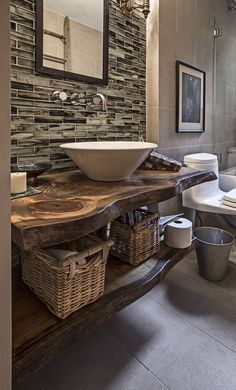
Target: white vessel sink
(108, 161)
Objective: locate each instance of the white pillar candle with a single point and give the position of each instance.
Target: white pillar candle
(18, 182)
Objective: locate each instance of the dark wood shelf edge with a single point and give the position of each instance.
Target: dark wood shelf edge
(144, 190)
(85, 320)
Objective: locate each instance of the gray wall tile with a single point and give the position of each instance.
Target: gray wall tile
(35, 114)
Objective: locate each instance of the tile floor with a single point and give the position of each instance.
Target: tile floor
(181, 336)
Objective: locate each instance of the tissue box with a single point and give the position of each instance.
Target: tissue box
(160, 162)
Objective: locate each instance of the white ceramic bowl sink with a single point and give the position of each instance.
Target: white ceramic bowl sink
(108, 161)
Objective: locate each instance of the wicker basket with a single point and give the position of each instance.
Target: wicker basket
(135, 244)
(66, 286)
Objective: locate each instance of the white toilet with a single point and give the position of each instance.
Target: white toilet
(206, 197)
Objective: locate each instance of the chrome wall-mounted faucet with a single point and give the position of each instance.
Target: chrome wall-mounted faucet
(78, 99)
(102, 100)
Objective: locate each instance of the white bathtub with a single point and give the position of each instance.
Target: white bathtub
(227, 179)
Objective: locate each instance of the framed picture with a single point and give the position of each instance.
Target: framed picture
(190, 99)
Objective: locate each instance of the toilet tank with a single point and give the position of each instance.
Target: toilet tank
(205, 190)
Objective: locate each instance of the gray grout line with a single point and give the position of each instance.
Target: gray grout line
(190, 323)
(135, 357)
(149, 370)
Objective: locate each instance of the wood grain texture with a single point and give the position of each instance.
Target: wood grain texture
(71, 205)
(38, 335)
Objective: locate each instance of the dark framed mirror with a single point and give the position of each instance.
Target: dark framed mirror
(72, 39)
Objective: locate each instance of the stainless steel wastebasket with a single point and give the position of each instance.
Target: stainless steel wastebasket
(213, 252)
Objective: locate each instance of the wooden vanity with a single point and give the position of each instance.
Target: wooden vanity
(69, 207)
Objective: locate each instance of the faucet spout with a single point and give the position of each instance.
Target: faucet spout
(102, 100)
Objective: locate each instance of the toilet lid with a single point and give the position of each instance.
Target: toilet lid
(200, 158)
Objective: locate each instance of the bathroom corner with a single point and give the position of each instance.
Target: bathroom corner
(118, 160)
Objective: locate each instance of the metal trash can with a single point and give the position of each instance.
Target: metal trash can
(213, 252)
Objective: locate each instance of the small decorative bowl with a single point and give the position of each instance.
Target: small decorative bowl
(32, 170)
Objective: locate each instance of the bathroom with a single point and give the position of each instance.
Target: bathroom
(182, 334)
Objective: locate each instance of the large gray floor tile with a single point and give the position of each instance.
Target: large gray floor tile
(201, 303)
(97, 362)
(180, 355)
(144, 325)
(196, 362)
(30, 383)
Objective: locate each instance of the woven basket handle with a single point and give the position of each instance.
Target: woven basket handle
(104, 247)
(139, 225)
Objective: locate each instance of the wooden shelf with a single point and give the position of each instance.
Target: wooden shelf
(38, 335)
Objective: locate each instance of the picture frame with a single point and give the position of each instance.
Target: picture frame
(190, 98)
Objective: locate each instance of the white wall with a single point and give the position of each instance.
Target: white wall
(5, 262)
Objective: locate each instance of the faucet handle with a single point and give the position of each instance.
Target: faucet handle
(59, 97)
(77, 99)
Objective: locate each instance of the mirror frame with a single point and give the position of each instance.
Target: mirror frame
(63, 73)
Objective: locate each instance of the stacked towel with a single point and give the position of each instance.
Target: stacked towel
(229, 199)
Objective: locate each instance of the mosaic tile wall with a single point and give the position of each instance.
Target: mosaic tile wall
(39, 126)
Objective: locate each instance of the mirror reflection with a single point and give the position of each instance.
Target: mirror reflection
(73, 36)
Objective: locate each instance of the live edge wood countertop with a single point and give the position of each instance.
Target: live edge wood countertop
(71, 205)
